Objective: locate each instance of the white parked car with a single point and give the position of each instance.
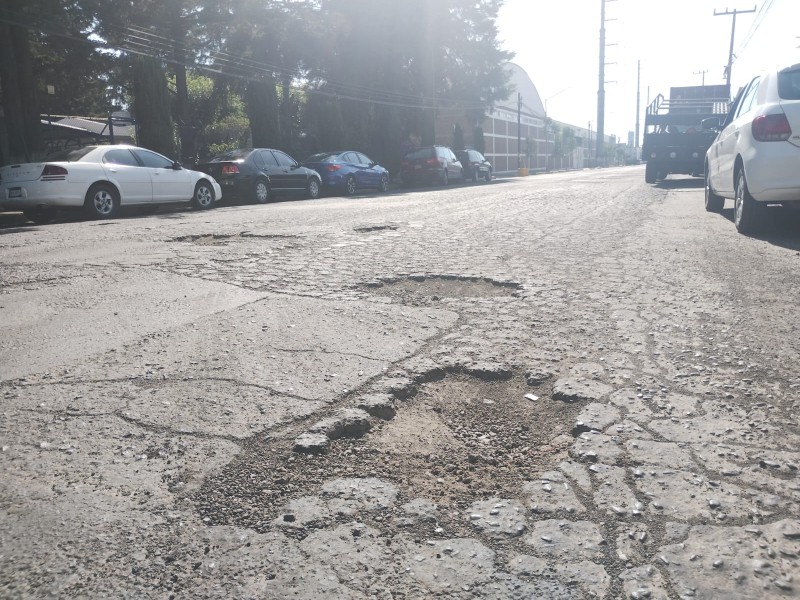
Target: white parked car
(755, 159)
(100, 179)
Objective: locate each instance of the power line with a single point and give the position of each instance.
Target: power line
(759, 20)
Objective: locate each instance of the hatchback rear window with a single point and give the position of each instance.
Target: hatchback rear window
(789, 84)
(421, 153)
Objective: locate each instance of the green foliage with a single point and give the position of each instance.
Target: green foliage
(303, 75)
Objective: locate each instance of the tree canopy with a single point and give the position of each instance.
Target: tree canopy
(203, 75)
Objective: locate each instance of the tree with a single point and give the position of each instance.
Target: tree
(478, 141)
(151, 106)
(17, 83)
(262, 109)
(458, 137)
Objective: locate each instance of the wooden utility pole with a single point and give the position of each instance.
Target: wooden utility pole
(734, 12)
(703, 73)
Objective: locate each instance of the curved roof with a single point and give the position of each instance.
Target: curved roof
(522, 84)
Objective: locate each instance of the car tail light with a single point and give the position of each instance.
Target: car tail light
(230, 169)
(771, 128)
(53, 170)
(333, 168)
(432, 162)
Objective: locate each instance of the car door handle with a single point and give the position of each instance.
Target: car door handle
(113, 170)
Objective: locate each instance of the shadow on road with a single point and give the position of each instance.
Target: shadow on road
(681, 184)
(779, 226)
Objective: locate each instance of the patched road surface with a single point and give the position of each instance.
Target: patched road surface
(565, 386)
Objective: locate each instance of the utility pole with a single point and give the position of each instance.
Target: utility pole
(519, 129)
(601, 87)
(638, 99)
(733, 34)
(703, 73)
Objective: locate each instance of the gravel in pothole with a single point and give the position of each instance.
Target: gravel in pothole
(458, 440)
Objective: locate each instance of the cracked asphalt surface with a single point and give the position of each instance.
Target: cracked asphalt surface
(571, 385)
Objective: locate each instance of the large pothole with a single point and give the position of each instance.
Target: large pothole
(435, 287)
(458, 440)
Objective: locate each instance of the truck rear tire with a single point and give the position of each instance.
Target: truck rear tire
(650, 171)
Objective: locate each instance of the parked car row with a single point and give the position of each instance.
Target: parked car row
(439, 164)
(755, 156)
(100, 180)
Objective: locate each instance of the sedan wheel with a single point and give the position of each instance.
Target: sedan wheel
(203, 198)
(350, 185)
(261, 192)
(383, 186)
(102, 201)
(313, 188)
(746, 211)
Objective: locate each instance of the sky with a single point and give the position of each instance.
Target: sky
(558, 43)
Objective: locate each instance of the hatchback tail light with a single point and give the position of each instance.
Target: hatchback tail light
(53, 170)
(771, 128)
(230, 169)
(333, 168)
(432, 162)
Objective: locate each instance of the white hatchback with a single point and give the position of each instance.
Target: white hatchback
(755, 159)
(100, 179)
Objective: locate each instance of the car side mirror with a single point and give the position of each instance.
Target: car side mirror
(176, 166)
(710, 124)
(295, 166)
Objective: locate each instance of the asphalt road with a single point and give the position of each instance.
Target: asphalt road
(570, 385)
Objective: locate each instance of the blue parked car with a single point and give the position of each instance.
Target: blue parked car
(348, 171)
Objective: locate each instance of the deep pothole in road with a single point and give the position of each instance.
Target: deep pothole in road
(458, 440)
(435, 287)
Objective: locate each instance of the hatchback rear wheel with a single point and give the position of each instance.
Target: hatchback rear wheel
(746, 211)
(714, 203)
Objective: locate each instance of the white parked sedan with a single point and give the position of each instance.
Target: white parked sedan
(755, 158)
(100, 179)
